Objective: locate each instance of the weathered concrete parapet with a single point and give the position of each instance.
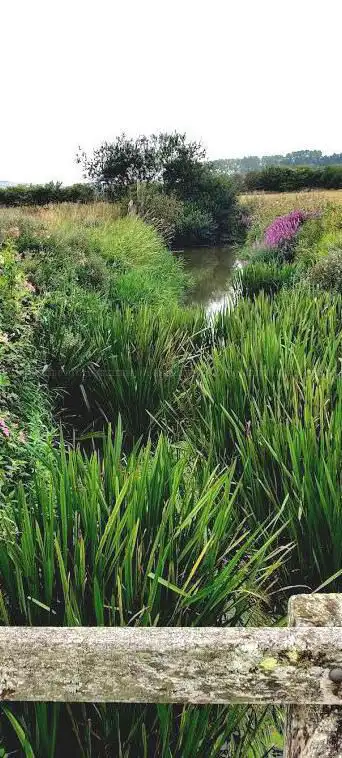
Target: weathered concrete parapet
(314, 732)
(171, 665)
(315, 610)
(299, 665)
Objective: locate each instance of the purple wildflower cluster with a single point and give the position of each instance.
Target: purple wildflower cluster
(284, 228)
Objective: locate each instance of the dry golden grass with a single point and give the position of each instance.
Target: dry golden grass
(52, 216)
(87, 213)
(268, 205)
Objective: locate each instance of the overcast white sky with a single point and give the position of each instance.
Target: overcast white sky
(245, 76)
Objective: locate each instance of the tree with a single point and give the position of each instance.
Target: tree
(115, 166)
(249, 163)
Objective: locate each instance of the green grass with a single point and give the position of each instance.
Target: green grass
(124, 260)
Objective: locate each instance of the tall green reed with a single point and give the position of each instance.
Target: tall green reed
(151, 539)
(270, 398)
(103, 362)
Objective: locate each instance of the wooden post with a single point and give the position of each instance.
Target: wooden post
(315, 731)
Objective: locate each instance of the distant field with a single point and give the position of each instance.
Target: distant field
(267, 205)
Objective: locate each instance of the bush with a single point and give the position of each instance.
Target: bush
(161, 210)
(283, 179)
(194, 227)
(327, 272)
(43, 194)
(210, 205)
(197, 209)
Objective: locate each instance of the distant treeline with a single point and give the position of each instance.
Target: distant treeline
(286, 179)
(271, 179)
(43, 194)
(311, 158)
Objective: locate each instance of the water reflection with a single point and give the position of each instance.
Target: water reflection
(211, 269)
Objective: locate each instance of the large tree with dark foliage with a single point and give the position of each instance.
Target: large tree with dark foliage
(167, 166)
(115, 166)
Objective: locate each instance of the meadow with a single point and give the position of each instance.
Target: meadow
(263, 207)
(158, 468)
(283, 202)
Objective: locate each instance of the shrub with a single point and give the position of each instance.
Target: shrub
(43, 194)
(221, 200)
(194, 227)
(327, 272)
(161, 210)
(284, 179)
(202, 211)
(210, 201)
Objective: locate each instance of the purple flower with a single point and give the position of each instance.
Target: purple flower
(284, 228)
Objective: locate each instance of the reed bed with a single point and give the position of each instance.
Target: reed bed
(197, 479)
(145, 540)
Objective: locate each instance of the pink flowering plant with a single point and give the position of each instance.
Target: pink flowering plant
(282, 233)
(4, 428)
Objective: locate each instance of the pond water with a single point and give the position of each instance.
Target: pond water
(211, 269)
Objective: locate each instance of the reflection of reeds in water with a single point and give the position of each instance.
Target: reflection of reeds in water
(227, 302)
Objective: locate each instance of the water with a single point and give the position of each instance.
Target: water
(211, 269)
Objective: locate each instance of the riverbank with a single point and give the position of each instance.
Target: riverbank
(213, 269)
(197, 482)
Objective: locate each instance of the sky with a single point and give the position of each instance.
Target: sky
(244, 76)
